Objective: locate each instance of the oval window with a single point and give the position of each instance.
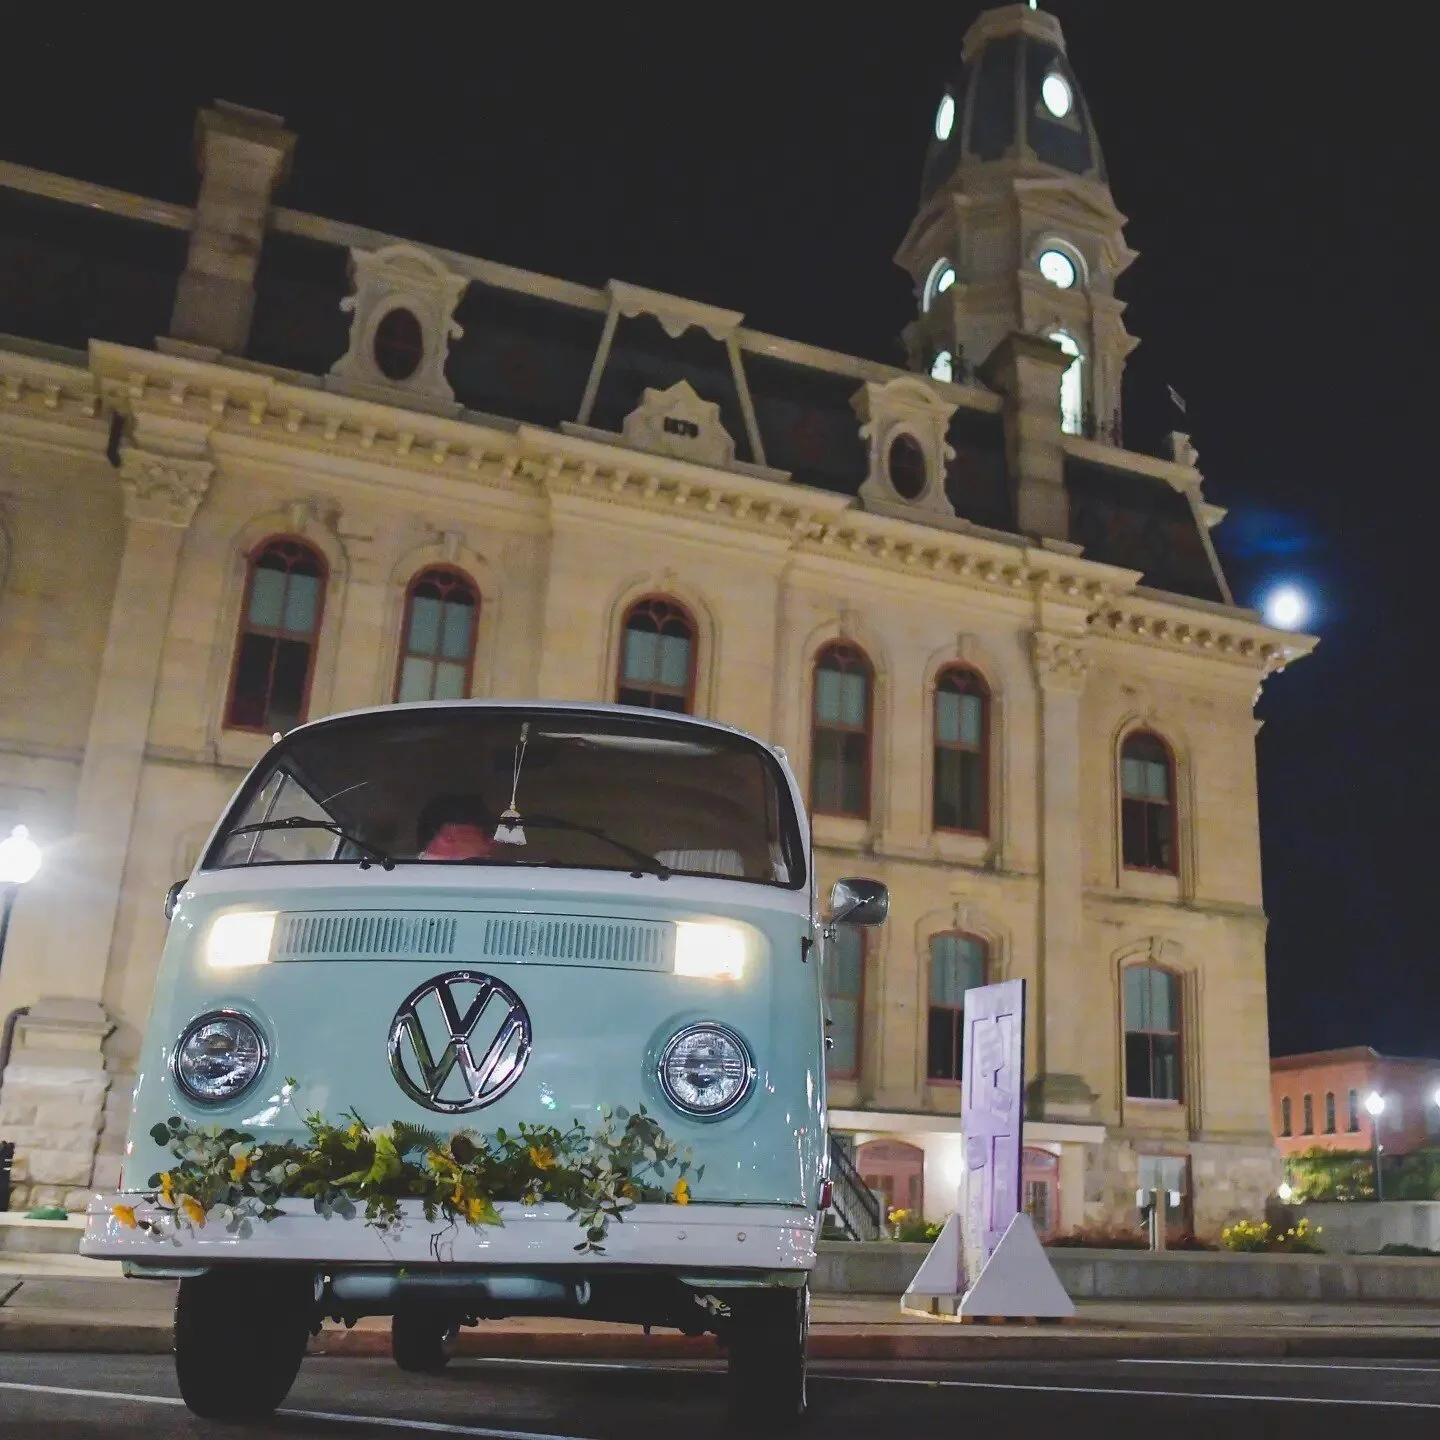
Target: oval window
(399, 345)
(907, 467)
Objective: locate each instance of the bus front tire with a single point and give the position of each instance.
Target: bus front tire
(240, 1336)
(767, 1354)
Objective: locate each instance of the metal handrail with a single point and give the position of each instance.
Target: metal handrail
(856, 1205)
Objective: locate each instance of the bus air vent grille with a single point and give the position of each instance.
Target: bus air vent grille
(577, 940)
(364, 935)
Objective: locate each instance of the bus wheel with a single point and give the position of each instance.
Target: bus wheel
(422, 1341)
(239, 1339)
(767, 1354)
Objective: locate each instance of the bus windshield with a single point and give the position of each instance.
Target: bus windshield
(474, 785)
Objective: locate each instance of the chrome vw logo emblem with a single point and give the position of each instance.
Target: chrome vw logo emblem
(455, 1059)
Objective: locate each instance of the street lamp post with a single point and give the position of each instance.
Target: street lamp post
(1375, 1104)
(19, 860)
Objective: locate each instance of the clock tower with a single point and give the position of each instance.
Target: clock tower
(1017, 230)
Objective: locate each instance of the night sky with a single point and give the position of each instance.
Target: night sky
(1278, 171)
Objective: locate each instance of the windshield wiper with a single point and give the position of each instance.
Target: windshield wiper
(368, 852)
(645, 860)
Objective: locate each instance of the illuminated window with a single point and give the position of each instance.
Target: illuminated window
(1072, 385)
(957, 964)
(945, 117)
(840, 732)
(1147, 803)
(940, 279)
(962, 744)
(657, 657)
(441, 608)
(279, 628)
(1058, 268)
(1152, 1034)
(1056, 95)
(942, 367)
(844, 1000)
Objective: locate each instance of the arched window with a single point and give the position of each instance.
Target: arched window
(279, 628)
(437, 639)
(1147, 803)
(962, 752)
(657, 656)
(1352, 1112)
(1152, 1034)
(1285, 1116)
(1072, 385)
(840, 732)
(957, 964)
(844, 1000)
(1308, 1107)
(1329, 1112)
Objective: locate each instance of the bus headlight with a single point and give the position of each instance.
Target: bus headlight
(239, 939)
(706, 1070)
(709, 950)
(218, 1056)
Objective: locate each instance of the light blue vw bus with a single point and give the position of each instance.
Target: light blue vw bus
(484, 1009)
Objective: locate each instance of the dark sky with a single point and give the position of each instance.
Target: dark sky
(1278, 166)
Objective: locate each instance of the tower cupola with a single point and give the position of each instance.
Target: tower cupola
(1017, 231)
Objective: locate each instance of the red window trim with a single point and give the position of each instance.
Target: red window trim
(868, 729)
(243, 628)
(854, 1074)
(984, 944)
(1178, 1032)
(1174, 803)
(453, 572)
(688, 616)
(968, 672)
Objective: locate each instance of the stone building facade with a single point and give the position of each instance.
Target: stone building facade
(997, 645)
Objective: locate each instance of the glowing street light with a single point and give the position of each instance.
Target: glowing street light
(1286, 607)
(19, 860)
(1286, 1192)
(1375, 1104)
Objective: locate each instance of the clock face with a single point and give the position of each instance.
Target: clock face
(945, 118)
(1055, 95)
(1058, 268)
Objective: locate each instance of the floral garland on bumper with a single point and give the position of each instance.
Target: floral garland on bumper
(228, 1176)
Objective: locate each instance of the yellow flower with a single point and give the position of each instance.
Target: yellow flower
(240, 1167)
(542, 1158)
(474, 1209)
(682, 1192)
(457, 1195)
(167, 1187)
(192, 1210)
(125, 1214)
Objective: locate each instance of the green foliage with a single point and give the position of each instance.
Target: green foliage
(907, 1226)
(1101, 1237)
(1350, 1175)
(228, 1176)
(1398, 1249)
(1259, 1237)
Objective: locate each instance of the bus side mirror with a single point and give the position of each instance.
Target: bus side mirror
(172, 898)
(859, 902)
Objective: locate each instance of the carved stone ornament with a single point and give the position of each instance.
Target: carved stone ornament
(1182, 450)
(403, 313)
(905, 423)
(162, 490)
(1060, 663)
(678, 423)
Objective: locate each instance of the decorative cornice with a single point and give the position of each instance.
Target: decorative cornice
(162, 490)
(1226, 637)
(30, 383)
(1061, 662)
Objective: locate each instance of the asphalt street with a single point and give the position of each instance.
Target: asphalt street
(68, 1396)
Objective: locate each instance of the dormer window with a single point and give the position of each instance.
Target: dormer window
(399, 344)
(942, 367)
(941, 278)
(1056, 95)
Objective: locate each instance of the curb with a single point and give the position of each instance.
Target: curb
(927, 1345)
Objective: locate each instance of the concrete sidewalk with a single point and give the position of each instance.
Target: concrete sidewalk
(64, 1302)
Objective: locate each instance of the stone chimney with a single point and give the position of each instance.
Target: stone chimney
(243, 155)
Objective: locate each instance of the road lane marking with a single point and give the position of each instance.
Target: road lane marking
(433, 1427)
(1336, 1366)
(1131, 1394)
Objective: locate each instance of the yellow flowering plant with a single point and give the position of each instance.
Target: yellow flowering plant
(227, 1176)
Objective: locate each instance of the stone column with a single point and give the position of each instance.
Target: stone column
(55, 1084)
(243, 155)
(1026, 370)
(1059, 1091)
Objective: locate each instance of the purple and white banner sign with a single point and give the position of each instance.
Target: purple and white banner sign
(992, 1109)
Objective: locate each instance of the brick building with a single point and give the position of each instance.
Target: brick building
(1317, 1101)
